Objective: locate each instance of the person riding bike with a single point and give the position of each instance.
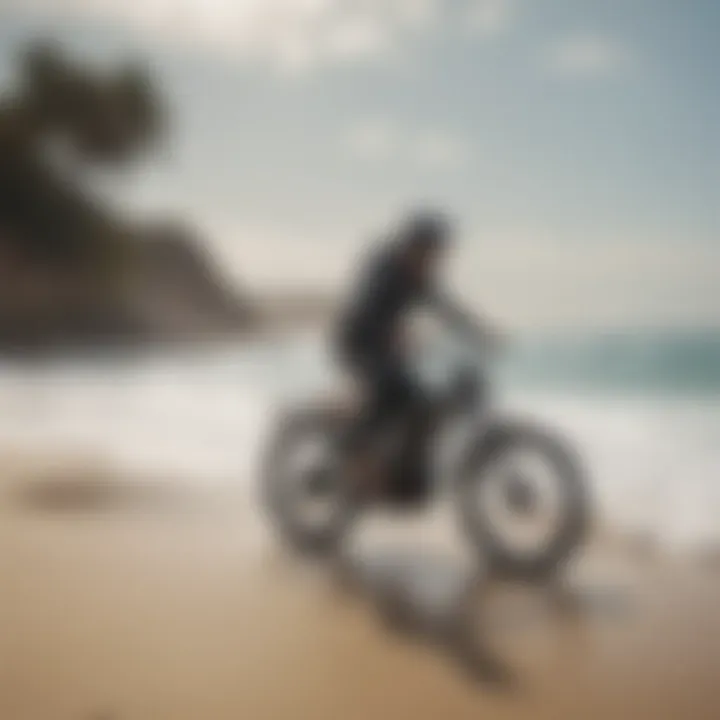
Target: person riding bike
(401, 276)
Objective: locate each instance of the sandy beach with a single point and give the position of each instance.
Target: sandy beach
(127, 599)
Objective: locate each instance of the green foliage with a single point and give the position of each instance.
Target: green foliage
(97, 119)
(104, 116)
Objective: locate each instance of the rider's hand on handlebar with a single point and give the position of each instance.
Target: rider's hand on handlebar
(502, 338)
(493, 339)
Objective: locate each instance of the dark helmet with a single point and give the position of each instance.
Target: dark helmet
(426, 230)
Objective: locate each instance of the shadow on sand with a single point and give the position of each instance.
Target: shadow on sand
(63, 492)
(421, 596)
(431, 599)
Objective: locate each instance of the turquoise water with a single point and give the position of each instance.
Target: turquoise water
(641, 362)
(651, 364)
(669, 363)
(662, 363)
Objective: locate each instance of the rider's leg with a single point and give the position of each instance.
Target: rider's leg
(413, 478)
(391, 394)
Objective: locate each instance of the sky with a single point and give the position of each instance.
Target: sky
(577, 142)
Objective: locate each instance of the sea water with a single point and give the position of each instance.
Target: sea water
(643, 409)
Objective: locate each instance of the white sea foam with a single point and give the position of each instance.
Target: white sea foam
(654, 463)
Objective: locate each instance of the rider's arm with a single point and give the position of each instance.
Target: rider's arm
(463, 321)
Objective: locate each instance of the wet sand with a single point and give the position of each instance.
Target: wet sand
(133, 600)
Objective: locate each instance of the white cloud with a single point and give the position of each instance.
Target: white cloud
(287, 34)
(378, 139)
(439, 151)
(490, 17)
(358, 36)
(587, 55)
(373, 139)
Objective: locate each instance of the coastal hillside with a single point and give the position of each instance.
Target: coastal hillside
(74, 270)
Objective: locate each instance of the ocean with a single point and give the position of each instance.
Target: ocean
(643, 409)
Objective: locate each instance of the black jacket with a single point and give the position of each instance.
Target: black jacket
(385, 294)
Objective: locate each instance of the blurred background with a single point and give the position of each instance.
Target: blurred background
(185, 190)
